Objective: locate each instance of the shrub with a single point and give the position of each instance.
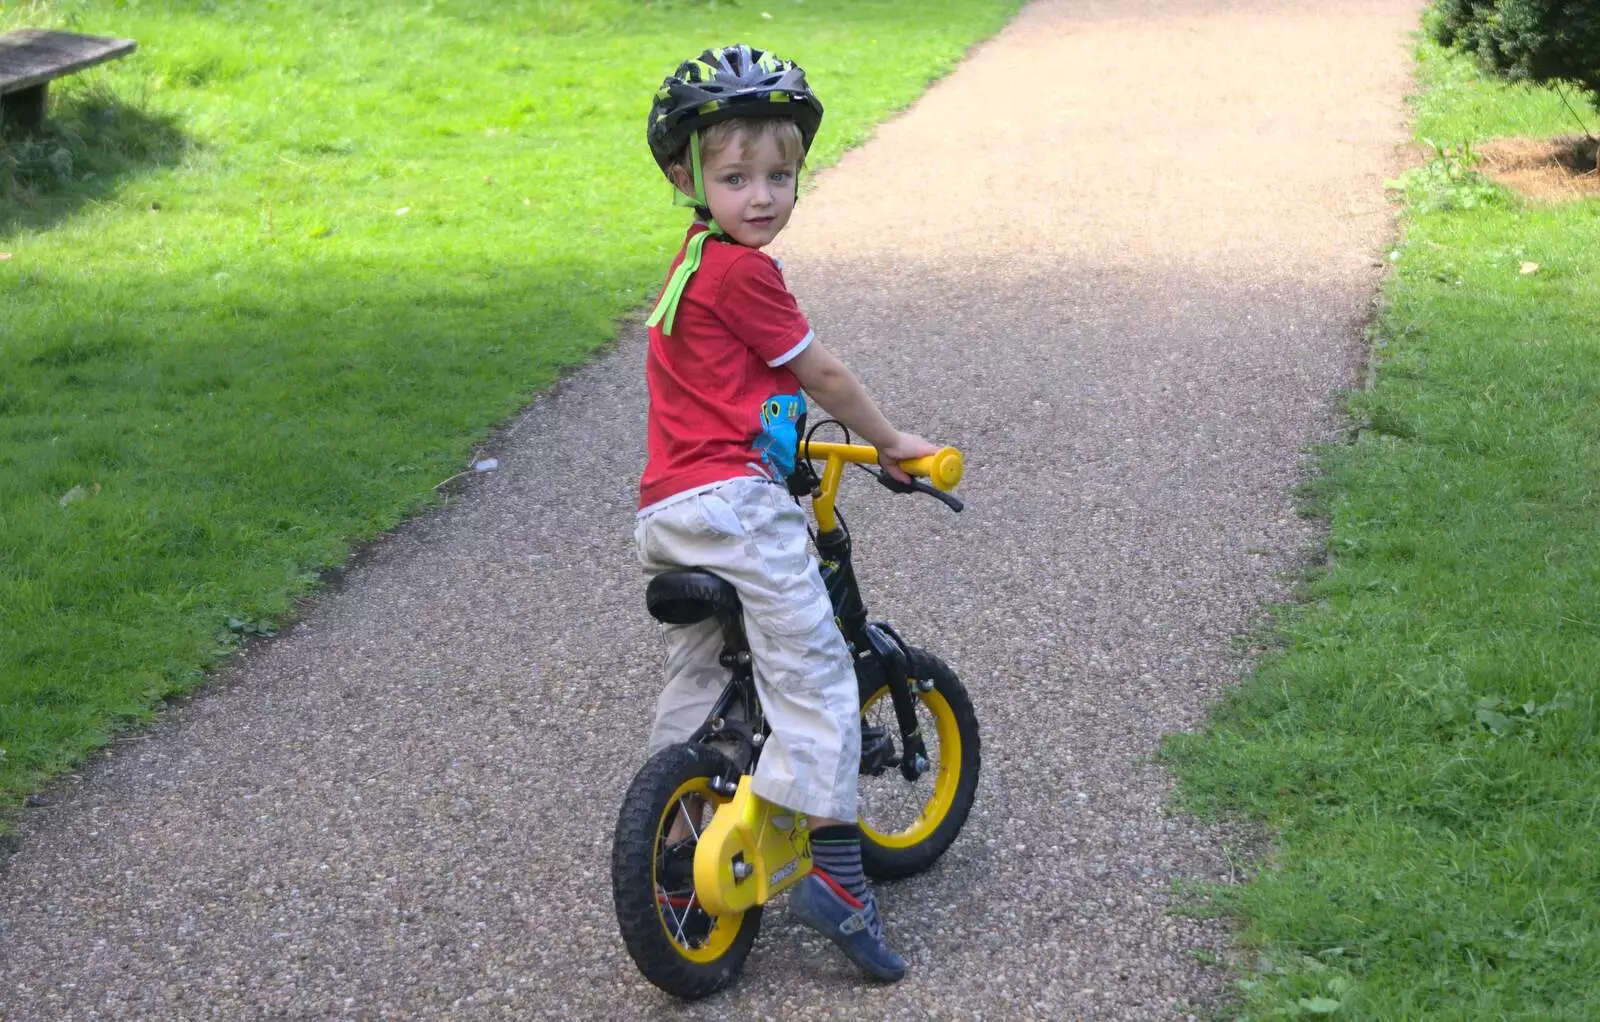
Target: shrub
(1538, 41)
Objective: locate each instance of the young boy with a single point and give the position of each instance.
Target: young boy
(729, 355)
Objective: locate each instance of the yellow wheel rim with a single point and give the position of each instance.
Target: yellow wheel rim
(724, 929)
(946, 777)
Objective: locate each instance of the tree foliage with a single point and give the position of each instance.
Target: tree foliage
(1539, 41)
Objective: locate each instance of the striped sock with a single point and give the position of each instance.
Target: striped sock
(836, 852)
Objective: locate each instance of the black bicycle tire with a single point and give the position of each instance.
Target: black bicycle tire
(633, 891)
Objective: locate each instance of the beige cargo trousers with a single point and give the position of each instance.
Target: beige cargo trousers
(750, 532)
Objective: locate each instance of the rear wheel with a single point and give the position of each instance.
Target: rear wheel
(676, 944)
(907, 825)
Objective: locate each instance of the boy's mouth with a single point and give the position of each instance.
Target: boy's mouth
(760, 221)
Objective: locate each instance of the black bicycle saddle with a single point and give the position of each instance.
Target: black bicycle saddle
(689, 596)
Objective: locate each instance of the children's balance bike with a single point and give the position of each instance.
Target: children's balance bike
(696, 853)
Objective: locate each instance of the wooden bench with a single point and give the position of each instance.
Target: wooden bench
(31, 58)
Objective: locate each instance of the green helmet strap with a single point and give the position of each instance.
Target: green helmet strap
(679, 198)
(666, 310)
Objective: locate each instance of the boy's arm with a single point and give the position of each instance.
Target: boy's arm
(833, 386)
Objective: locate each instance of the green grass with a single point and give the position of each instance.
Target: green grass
(1456, 104)
(1422, 738)
(272, 277)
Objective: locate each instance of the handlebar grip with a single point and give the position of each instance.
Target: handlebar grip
(942, 469)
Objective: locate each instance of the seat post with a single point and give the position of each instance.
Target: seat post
(733, 638)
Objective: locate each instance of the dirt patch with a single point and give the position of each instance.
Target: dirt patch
(1547, 169)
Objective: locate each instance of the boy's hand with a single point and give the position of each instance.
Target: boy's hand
(904, 447)
(840, 394)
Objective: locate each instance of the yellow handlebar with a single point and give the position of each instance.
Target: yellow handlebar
(942, 469)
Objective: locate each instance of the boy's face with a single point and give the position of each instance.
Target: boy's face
(750, 188)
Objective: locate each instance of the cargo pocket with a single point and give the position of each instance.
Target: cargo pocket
(800, 616)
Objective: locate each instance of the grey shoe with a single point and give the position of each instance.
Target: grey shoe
(854, 926)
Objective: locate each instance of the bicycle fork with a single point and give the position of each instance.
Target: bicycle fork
(882, 643)
(890, 650)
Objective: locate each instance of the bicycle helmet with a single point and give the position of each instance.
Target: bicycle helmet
(719, 85)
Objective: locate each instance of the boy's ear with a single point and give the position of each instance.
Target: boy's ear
(682, 179)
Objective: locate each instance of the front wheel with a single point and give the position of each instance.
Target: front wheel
(907, 825)
(676, 944)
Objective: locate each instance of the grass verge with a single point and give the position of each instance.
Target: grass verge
(1422, 739)
(265, 283)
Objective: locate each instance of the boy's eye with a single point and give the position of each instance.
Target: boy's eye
(780, 175)
(733, 179)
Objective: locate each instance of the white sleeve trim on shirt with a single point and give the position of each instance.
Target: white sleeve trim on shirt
(810, 336)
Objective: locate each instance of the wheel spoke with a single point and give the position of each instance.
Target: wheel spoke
(678, 922)
(678, 929)
(688, 819)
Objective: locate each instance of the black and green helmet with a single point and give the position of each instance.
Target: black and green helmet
(719, 85)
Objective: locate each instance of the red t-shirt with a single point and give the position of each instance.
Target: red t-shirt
(722, 405)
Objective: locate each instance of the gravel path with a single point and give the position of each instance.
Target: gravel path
(1123, 257)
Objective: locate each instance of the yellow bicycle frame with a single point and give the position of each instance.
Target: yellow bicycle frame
(942, 470)
(750, 852)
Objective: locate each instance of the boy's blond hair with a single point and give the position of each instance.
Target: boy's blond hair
(749, 131)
